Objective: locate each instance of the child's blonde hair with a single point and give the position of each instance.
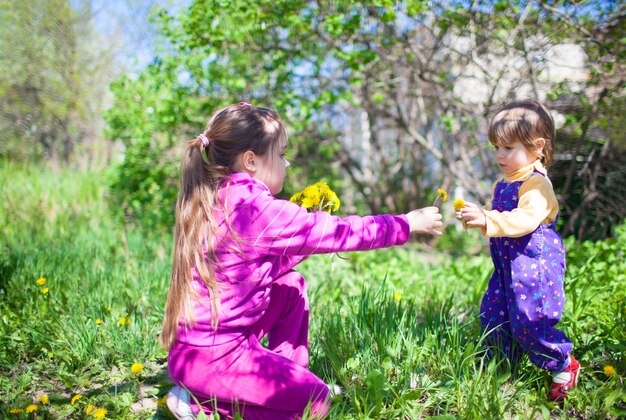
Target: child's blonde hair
(524, 121)
(230, 132)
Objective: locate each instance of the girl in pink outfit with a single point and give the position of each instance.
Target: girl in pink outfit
(233, 280)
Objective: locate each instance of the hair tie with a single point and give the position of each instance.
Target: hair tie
(205, 140)
(244, 103)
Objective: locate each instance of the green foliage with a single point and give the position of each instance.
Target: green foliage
(591, 187)
(65, 234)
(398, 329)
(52, 80)
(149, 117)
(370, 92)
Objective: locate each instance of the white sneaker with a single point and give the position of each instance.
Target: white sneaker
(333, 390)
(178, 403)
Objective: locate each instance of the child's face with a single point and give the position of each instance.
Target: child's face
(272, 167)
(513, 156)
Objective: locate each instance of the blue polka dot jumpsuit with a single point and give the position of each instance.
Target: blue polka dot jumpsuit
(525, 297)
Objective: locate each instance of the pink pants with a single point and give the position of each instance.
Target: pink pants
(257, 382)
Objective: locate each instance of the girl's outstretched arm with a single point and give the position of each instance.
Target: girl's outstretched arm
(277, 227)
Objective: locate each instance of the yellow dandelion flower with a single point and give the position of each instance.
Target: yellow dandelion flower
(459, 203)
(44, 399)
(317, 197)
(397, 296)
(89, 409)
(99, 413)
(109, 309)
(310, 203)
(313, 190)
(123, 320)
(296, 198)
(443, 193)
(136, 368)
(41, 281)
(31, 408)
(161, 402)
(98, 321)
(45, 291)
(331, 201)
(16, 411)
(322, 188)
(311, 197)
(76, 398)
(609, 370)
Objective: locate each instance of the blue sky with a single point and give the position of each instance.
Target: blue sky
(129, 20)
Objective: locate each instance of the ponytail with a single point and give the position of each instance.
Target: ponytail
(199, 183)
(207, 162)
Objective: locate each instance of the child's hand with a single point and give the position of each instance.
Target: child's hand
(472, 215)
(426, 220)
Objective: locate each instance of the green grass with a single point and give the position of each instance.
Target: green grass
(414, 355)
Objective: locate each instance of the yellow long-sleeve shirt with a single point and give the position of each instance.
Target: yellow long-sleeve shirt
(537, 204)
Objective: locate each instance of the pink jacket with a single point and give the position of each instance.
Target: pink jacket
(271, 237)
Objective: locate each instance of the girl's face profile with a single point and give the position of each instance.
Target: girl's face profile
(513, 156)
(272, 168)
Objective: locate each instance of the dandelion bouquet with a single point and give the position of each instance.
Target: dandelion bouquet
(317, 197)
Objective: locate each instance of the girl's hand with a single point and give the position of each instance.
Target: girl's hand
(472, 215)
(426, 220)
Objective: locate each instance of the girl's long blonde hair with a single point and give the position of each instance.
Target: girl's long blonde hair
(231, 131)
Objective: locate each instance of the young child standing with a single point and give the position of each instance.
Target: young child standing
(233, 280)
(525, 297)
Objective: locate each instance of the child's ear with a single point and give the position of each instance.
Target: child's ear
(248, 160)
(540, 143)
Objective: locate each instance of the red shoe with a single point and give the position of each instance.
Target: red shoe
(558, 391)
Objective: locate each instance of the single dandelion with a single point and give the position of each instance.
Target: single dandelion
(441, 193)
(609, 370)
(397, 296)
(31, 408)
(98, 321)
(99, 413)
(459, 203)
(16, 411)
(136, 368)
(124, 321)
(109, 309)
(45, 291)
(162, 402)
(89, 409)
(76, 398)
(44, 399)
(41, 281)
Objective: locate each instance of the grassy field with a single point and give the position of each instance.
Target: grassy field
(82, 297)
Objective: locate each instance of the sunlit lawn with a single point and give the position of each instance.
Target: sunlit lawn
(397, 329)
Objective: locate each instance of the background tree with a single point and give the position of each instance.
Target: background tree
(394, 96)
(54, 80)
